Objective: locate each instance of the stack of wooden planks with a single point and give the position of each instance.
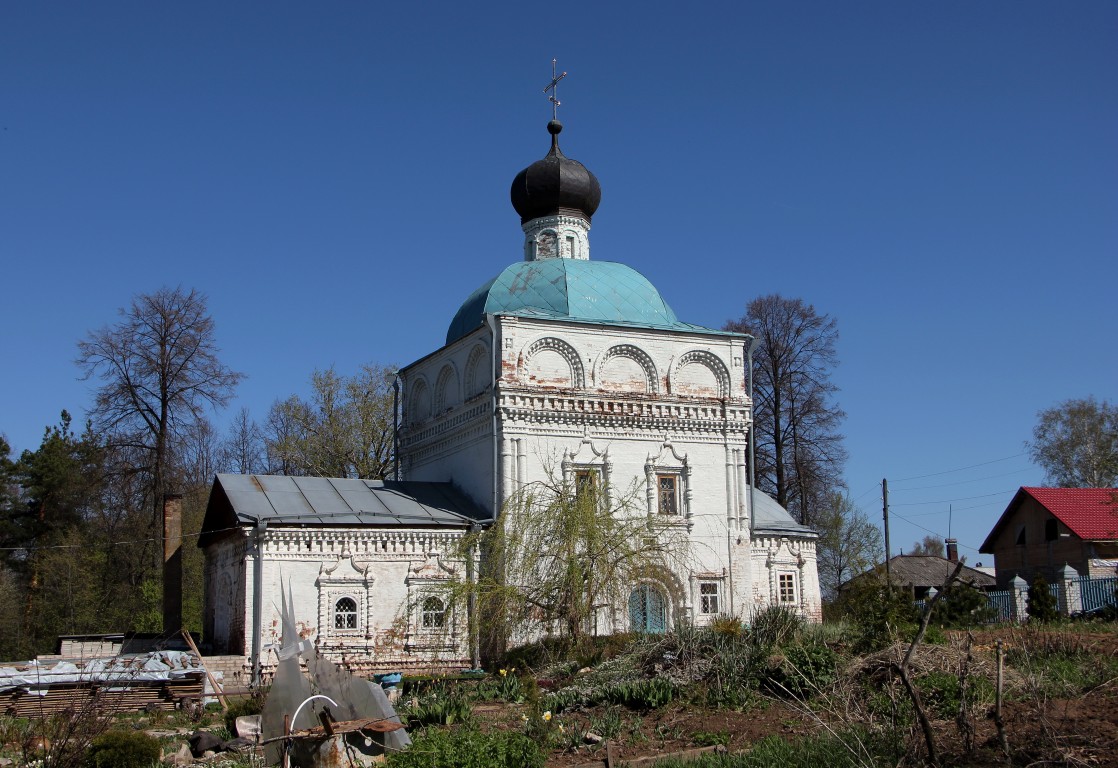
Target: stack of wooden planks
(118, 696)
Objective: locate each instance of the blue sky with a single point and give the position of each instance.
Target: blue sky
(940, 177)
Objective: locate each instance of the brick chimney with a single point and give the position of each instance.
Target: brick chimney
(952, 550)
(172, 563)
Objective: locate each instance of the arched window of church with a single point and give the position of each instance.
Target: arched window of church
(345, 613)
(433, 613)
(648, 610)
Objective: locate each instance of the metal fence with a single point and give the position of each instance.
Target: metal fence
(1093, 595)
(1001, 603)
(1097, 593)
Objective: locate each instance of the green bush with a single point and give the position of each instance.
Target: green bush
(467, 748)
(881, 613)
(1041, 603)
(843, 750)
(775, 626)
(122, 749)
(941, 692)
(962, 607)
(711, 738)
(805, 669)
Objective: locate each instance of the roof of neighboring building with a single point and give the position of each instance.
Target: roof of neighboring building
(1089, 513)
(928, 571)
(569, 289)
(771, 518)
(238, 500)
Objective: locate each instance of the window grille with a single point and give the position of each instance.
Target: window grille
(667, 492)
(786, 587)
(433, 613)
(709, 594)
(345, 613)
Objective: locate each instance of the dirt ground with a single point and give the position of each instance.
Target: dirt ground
(671, 729)
(1075, 731)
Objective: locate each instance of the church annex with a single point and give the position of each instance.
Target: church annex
(561, 365)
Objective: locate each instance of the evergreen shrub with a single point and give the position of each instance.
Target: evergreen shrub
(1041, 603)
(122, 749)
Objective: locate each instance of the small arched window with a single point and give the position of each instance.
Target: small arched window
(433, 613)
(345, 613)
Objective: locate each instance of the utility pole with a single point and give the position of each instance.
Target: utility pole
(885, 514)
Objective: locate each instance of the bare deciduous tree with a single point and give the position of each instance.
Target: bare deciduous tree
(1076, 443)
(798, 446)
(243, 450)
(159, 371)
(848, 544)
(344, 430)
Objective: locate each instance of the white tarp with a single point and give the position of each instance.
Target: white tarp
(36, 678)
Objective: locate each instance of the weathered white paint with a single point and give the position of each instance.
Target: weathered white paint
(635, 402)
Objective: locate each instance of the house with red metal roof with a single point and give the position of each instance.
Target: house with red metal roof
(1045, 529)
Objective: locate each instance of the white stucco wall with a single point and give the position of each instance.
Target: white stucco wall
(631, 403)
(387, 573)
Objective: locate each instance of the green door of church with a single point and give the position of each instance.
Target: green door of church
(648, 610)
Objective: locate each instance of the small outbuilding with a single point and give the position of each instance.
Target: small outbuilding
(922, 573)
(363, 562)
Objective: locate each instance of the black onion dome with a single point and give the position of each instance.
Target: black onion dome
(555, 184)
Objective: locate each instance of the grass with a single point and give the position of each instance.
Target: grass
(775, 752)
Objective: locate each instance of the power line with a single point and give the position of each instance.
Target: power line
(960, 509)
(113, 543)
(964, 482)
(960, 469)
(949, 501)
(871, 490)
(934, 533)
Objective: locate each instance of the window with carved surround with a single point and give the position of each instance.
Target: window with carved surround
(667, 494)
(433, 614)
(710, 597)
(344, 596)
(668, 483)
(587, 483)
(786, 587)
(432, 621)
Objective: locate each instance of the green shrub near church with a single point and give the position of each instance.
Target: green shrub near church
(123, 749)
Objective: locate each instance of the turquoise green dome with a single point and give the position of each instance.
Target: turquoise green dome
(570, 289)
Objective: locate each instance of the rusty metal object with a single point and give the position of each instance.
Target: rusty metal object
(344, 744)
(376, 725)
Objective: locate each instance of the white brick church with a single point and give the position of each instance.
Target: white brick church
(560, 364)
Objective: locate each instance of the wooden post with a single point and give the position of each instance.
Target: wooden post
(285, 760)
(998, 722)
(213, 681)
